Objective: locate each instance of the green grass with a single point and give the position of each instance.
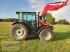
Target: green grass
(61, 42)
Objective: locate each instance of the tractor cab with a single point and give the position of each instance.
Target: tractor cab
(26, 16)
(31, 18)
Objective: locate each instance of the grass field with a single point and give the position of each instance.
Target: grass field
(61, 42)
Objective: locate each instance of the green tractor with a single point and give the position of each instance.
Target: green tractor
(30, 24)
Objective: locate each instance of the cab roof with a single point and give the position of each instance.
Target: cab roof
(17, 12)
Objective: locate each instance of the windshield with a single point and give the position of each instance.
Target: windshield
(29, 17)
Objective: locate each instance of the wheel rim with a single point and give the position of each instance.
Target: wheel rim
(19, 32)
(46, 34)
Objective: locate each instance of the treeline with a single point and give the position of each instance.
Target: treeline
(62, 21)
(9, 20)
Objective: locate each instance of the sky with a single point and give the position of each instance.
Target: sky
(8, 8)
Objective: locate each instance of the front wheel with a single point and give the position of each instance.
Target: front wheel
(46, 35)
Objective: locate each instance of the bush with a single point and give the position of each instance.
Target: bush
(50, 19)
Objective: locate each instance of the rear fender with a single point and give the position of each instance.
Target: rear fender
(21, 23)
(17, 23)
(28, 26)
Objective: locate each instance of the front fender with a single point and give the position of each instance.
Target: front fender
(47, 26)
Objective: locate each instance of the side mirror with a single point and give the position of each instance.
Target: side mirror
(57, 2)
(40, 17)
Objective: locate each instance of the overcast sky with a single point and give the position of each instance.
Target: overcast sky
(8, 8)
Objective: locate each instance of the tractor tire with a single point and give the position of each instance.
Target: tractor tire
(45, 35)
(20, 32)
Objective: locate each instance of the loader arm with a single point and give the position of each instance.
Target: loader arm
(53, 7)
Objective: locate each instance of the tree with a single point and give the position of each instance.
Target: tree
(49, 18)
(62, 21)
(1, 20)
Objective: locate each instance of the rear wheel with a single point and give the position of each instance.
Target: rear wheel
(20, 32)
(46, 35)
